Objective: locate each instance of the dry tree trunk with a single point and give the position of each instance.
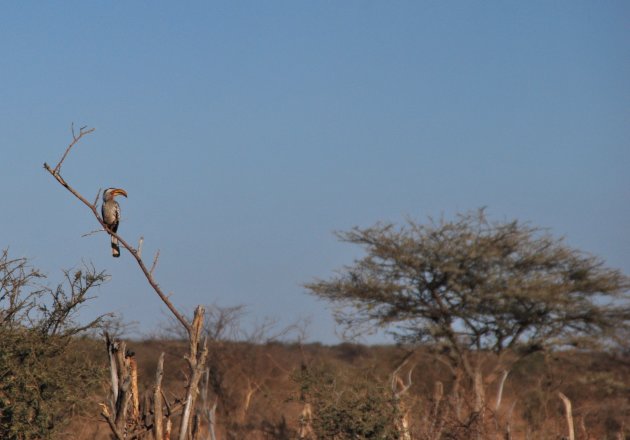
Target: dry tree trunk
(123, 418)
(116, 413)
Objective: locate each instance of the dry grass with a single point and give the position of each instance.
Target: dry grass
(258, 397)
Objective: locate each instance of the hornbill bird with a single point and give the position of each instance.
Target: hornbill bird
(110, 211)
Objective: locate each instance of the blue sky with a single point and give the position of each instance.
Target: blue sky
(247, 132)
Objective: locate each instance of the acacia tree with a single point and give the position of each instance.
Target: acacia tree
(471, 285)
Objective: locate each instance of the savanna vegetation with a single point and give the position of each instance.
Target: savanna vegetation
(501, 330)
(276, 390)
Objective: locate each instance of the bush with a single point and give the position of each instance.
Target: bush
(348, 404)
(44, 376)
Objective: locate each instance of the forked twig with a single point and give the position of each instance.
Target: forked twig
(75, 139)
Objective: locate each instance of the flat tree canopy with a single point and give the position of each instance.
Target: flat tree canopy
(472, 284)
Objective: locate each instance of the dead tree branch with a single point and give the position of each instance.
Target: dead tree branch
(55, 172)
(123, 411)
(75, 140)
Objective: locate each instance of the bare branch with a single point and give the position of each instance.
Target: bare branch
(123, 368)
(98, 196)
(148, 274)
(75, 139)
(155, 260)
(96, 231)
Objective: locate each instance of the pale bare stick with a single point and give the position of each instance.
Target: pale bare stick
(568, 413)
(500, 390)
(140, 243)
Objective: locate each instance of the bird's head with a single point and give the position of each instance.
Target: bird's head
(110, 193)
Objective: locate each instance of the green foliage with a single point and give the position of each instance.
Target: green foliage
(44, 377)
(348, 404)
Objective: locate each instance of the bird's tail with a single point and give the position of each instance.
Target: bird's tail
(115, 248)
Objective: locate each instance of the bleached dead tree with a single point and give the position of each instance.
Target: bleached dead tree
(123, 413)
